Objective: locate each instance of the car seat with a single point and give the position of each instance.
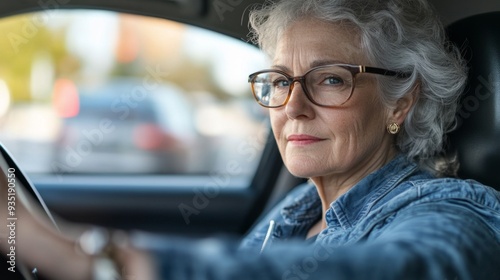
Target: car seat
(477, 137)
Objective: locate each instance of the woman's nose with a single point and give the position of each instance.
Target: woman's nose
(298, 104)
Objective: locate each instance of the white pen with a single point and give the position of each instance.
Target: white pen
(269, 233)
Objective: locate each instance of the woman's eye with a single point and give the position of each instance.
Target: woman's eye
(281, 83)
(332, 81)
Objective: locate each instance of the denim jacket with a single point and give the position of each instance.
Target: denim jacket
(397, 223)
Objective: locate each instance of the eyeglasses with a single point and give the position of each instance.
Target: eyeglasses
(327, 85)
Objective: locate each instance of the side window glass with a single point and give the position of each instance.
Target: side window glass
(97, 92)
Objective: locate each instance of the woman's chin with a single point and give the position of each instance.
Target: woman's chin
(303, 171)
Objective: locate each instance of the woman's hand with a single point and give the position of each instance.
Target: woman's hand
(31, 239)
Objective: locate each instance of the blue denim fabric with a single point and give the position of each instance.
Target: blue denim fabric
(397, 223)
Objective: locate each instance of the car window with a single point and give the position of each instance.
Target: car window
(97, 92)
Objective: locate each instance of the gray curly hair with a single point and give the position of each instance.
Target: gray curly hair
(401, 35)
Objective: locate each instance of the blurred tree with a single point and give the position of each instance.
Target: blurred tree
(24, 37)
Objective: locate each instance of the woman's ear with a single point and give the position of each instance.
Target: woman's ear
(399, 112)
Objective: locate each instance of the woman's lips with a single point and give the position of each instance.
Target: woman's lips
(303, 139)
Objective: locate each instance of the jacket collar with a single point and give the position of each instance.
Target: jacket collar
(359, 200)
(355, 203)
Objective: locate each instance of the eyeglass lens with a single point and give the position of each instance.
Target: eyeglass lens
(328, 86)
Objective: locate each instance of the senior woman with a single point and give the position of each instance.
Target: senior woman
(360, 94)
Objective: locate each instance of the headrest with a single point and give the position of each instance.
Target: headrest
(477, 138)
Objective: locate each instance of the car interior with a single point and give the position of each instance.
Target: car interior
(219, 201)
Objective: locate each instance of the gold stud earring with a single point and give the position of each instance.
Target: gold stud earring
(393, 128)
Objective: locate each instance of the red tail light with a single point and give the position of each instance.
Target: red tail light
(149, 137)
